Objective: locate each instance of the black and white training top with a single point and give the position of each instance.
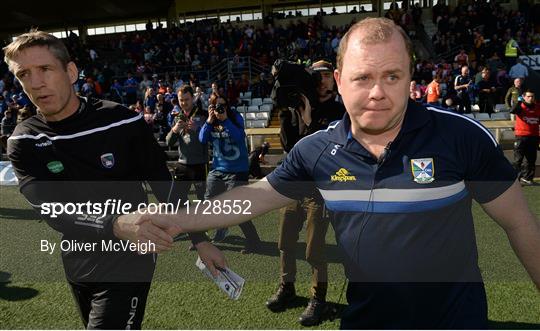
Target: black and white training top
(103, 152)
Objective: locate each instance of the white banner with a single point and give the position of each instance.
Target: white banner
(7, 175)
(532, 61)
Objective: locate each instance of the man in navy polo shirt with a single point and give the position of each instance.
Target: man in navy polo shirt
(399, 179)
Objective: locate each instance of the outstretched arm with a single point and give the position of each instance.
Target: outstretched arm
(261, 197)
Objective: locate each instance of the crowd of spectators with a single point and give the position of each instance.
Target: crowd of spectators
(197, 46)
(435, 83)
(483, 28)
(155, 63)
(476, 35)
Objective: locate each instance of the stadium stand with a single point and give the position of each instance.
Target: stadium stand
(121, 66)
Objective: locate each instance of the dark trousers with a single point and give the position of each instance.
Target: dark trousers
(218, 182)
(290, 225)
(187, 175)
(464, 103)
(485, 102)
(111, 305)
(525, 147)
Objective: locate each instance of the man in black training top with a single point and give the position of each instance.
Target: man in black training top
(77, 150)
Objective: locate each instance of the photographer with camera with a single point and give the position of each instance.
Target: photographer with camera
(296, 123)
(224, 129)
(191, 168)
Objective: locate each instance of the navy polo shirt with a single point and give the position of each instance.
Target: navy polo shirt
(404, 222)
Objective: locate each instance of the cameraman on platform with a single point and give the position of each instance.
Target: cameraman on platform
(296, 124)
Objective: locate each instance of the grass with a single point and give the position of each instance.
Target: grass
(34, 294)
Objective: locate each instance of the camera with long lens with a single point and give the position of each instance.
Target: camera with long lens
(293, 80)
(220, 109)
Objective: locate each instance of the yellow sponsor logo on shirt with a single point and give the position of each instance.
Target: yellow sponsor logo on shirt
(342, 175)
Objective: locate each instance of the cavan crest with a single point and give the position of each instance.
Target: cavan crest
(423, 170)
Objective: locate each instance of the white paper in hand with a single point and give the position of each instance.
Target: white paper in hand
(227, 280)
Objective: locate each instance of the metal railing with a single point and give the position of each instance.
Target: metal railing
(449, 55)
(232, 67)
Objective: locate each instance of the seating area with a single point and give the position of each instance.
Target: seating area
(255, 111)
(498, 123)
(504, 116)
(501, 113)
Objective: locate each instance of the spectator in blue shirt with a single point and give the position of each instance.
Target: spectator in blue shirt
(150, 99)
(130, 87)
(116, 92)
(224, 129)
(518, 70)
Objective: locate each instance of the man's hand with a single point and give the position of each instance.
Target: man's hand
(179, 126)
(211, 115)
(211, 256)
(139, 227)
(305, 112)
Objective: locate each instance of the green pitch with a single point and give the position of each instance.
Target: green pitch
(34, 294)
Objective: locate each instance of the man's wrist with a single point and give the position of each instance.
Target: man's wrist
(201, 243)
(115, 226)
